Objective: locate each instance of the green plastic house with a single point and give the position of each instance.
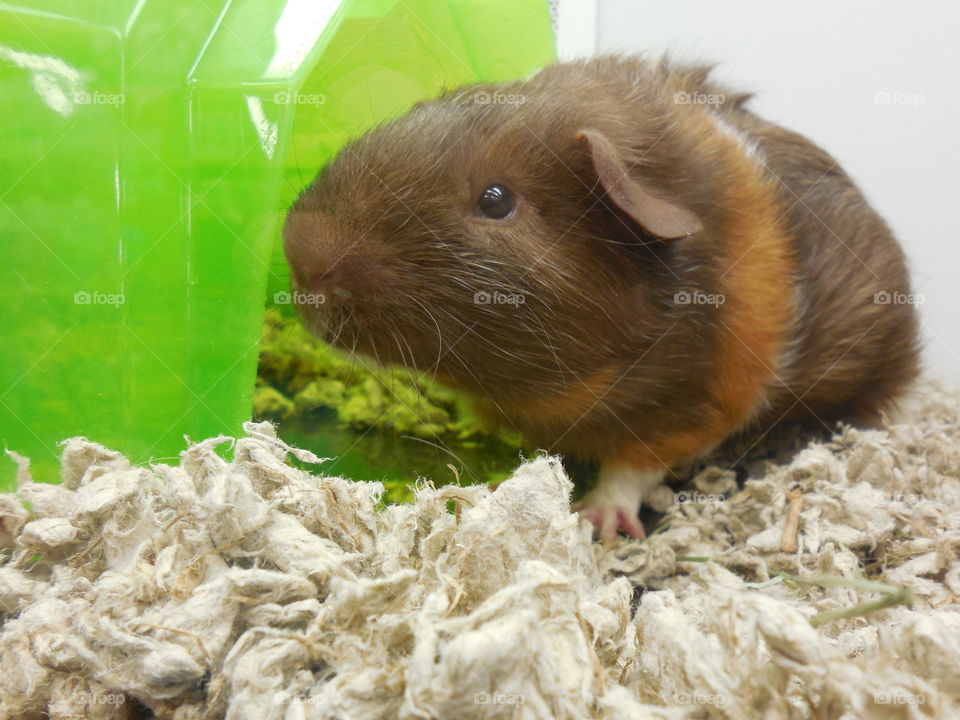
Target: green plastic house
(148, 150)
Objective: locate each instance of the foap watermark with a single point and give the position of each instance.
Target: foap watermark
(696, 297)
(910, 499)
(300, 298)
(698, 98)
(485, 297)
(899, 698)
(498, 698)
(698, 498)
(99, 98)
(297, 98)
(897, 298)
(482, 97)
(108, 698)
(895, 97)
(84, 297)
(700, 698)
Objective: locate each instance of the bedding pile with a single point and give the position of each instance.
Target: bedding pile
(237, 585)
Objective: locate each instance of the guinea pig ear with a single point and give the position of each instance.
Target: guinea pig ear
(659, 217)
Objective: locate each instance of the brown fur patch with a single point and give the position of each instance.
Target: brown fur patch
(583, 395)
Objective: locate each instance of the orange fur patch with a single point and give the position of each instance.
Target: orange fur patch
(759, 268)
(757, 271)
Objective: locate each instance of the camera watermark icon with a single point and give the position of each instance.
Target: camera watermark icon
(498, 698)
(696, 297)
(898, 298)
(899, 698)
(895, 97)
(291, 98)
(698, 98)
(99, 98)
(285, 298)
(698, 498)
(699, 698)
(482, 97)
(485, 297)
(84, 297)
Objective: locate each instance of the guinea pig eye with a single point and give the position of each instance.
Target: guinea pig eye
(495, 202)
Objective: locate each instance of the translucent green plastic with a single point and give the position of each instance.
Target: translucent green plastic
(147, 151)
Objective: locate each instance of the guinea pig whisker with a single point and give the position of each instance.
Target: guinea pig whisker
(380, 365)
(400, 336)
(341, 325)
(439, 445)
(396, 341)
(491, 343)
(549, 344)
(491, 397)
(437, 326)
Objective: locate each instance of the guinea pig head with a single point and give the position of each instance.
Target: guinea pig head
(502, 247)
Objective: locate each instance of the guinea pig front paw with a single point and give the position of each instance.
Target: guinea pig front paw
(614, 504)
(608, 520)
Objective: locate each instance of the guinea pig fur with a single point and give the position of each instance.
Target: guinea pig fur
(615, 257)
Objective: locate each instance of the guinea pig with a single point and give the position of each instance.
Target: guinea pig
(616, 258)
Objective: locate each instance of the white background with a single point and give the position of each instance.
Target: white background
(816, 66)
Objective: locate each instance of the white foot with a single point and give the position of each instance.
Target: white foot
(614, 504)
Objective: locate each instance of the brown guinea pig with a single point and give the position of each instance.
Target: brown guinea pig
(614, 257)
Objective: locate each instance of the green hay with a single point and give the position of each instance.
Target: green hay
(301, 377)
